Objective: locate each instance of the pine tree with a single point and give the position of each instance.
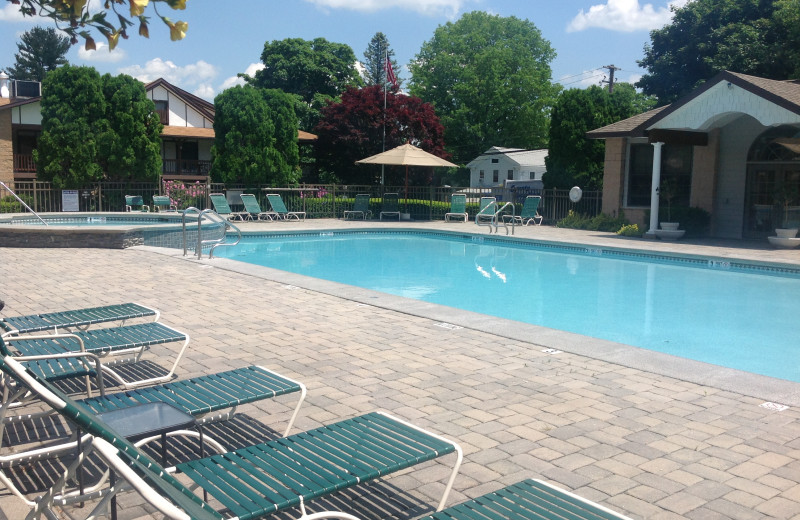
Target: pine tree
(40, 51)
(375, 61)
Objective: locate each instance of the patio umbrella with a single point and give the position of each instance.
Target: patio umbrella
(406, 155)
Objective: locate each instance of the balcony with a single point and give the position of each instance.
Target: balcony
(23, 163)
(186, 167)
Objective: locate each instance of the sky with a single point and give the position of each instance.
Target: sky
(226, 37)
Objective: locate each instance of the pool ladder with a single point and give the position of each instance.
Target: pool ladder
(22, 202)
(213, 216)
(496, 219)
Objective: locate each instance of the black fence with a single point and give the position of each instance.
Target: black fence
(317, 200)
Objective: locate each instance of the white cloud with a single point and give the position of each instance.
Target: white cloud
(193, 77)
(204, 91)
(11, 13)
(236, 80)
(428, 7)
(624, 16)
(101, 55)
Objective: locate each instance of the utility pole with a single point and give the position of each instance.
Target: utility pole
(611, 69)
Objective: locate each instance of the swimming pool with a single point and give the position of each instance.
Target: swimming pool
(740, 316)
(93, 220)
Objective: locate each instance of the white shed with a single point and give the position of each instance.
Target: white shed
(498, 164)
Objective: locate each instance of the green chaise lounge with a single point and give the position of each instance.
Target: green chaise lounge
(458, 207)
(391, 206)
(278, 208)
(529, 212)
(528, 500)
(360, 208)
(80, 318)
(135, 203)
(487, 209)
(253, 209)
(220, 203)
(163, 204)
(251, 482)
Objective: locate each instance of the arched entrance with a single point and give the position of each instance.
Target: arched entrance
(772, 195)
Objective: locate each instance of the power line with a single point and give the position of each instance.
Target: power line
(610, 81)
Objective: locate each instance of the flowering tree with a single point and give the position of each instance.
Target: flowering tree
(353, 129)
(74, 18)
(184, 195)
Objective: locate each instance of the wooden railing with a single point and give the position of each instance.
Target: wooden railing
(24, 163)
(185, 167)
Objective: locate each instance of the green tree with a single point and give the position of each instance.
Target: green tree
(130, 147)
(254, 130)
(307, 68)
(758, 37)
(73, 117)
(40, 51)
(489, 79)
(375, 61)
(79, 17)
(572, 159)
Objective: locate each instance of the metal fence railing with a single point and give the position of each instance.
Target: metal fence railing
(317, 200)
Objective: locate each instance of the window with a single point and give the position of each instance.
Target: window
(162, 109)
(481, 176)
(495, 161)
(532, 176)
(676, 167)
(496, 176)
(510, 175)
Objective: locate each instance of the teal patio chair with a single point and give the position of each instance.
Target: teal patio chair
(391, 205)
(163, 204)
(220, 203)
(280, 211)
(360, 208)
(487, 209)
(458, 207)
(76, 318)
(251, 482)
(253, 209)
(135, 203)
(528, 500)
(529, 212)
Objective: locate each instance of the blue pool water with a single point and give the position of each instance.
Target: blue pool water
(743, 320)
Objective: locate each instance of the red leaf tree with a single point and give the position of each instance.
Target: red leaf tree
(352, 129)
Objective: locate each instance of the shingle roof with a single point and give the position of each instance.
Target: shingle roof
(201, 105)
(784, 93)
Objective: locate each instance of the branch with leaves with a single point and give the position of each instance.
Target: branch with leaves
(74, 18)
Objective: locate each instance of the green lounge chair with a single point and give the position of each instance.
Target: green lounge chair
(360, 208)
(486, 210)
(529, 212)
(162, 203)
(280, 211)
(528, 500)
(253, 208)
(77, 318)
(458, 207)
(251, 482)
(220, 203)
(135, 203)
(129, 341)
(391, 205)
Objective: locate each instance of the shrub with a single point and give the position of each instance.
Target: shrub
(9, 204)
(600, 222)
(630, 230)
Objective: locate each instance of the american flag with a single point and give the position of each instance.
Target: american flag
(390, 77)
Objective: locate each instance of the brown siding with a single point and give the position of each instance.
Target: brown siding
(6, 148)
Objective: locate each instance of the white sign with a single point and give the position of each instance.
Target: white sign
(69, 200)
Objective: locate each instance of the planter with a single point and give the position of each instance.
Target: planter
(786, 232)
(669, 226)
(670, 234)
(784, 243)
(405, 216)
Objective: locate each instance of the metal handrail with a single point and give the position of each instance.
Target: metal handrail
(188, 210)
(219, 241)
(23, 202)
(494, 220)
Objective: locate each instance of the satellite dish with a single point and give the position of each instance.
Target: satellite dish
(575, 194)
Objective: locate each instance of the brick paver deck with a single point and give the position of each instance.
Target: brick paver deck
(646, 444)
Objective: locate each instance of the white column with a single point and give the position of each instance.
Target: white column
(654, 188)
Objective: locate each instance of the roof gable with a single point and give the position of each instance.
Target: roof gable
(205, 108)
(521, 157)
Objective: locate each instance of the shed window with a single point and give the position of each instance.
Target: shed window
(481, 176)
(496, 176)
(495, 161)
(510, 175)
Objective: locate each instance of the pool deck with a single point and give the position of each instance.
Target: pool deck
(645, 434)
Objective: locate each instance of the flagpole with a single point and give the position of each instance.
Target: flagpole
(383, 145)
